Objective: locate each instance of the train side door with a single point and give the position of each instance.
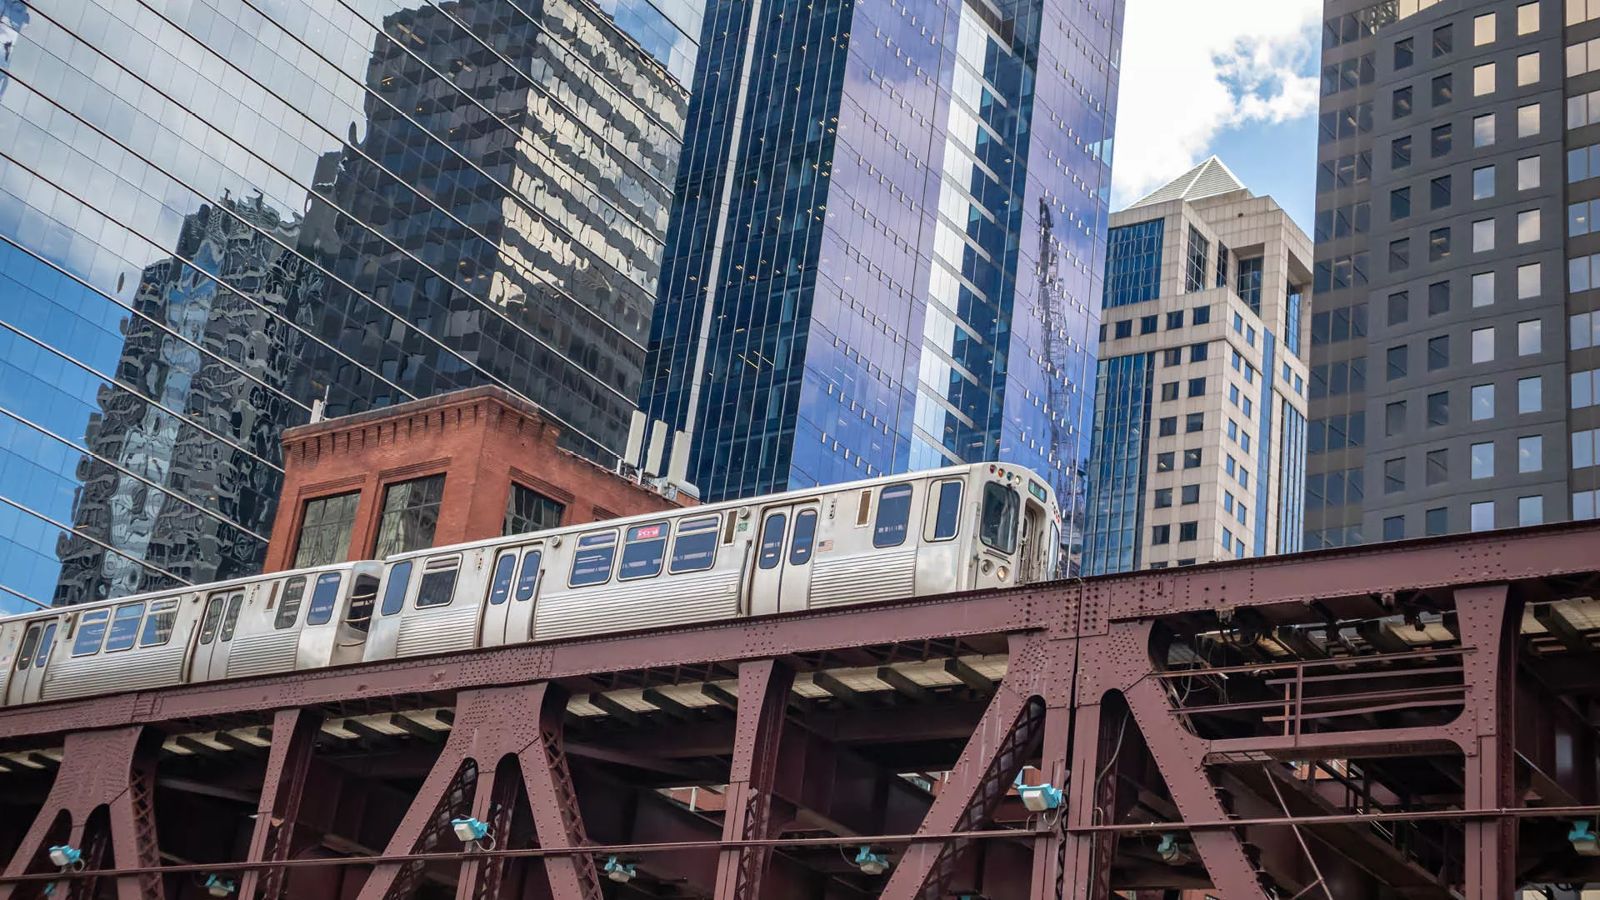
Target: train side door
(497, 606)
(217, 625)
(27, 670)
(785, 544)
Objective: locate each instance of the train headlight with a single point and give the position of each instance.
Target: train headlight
(1004, 572)
(986, 567)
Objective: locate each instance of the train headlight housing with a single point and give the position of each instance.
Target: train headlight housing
(469, 829)
(986, 566)
(1004, 572)
(64, 855)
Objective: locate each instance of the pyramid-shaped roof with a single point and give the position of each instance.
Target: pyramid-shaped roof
(1209, 179)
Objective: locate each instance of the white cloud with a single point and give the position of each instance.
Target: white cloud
(1193, 68)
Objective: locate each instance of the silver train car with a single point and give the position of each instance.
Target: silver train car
(956, 529)
(262, 625)
(920, 534)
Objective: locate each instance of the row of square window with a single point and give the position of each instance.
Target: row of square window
(1187, 531)
(1354, 324)
(1485, 132)
(1483, 84)
(1436, 463)
(1530, 228)
(1530, 399)
(1484, 29)
(1483, 188)
(1530, 340)
(1147, 324)
(1436, 521)
(1238, 544)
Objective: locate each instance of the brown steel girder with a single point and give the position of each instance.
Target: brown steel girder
(1070, 645)
(524, 722)
(111, 770)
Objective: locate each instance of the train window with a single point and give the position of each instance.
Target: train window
(394, 596)
(45, 643)
(947, 511)
(772, 540)
(208, 625)
(695, 548)
(30, 640)
(805, 533)
(894, 511)
(998, 526)
(529, 579)
(591, 564)
(505, 568)
(438, 585)
(323, 597)
(294, 591)
(230, 619)
(124, 627)
(91, 631)
(643, 551)
(158, 625)
(863, 511)
(363, 596)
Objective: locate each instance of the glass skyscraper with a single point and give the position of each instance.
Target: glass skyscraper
(214, 216)
(887, 241)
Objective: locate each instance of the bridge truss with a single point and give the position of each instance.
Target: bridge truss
(1410, 720)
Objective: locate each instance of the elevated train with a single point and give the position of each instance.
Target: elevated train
(921, 534)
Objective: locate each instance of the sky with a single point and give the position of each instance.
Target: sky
(1235, 78)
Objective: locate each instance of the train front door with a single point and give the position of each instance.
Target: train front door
(784, 547)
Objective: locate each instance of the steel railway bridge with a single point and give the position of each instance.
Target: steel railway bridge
(1411, 720)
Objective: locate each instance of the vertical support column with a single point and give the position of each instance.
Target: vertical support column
(764, 687)
(294, 734)
(1487, 724)
(100, 768)
(1049, 847)
(556, 816)
(1078, 870)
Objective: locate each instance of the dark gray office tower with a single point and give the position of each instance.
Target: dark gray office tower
(1453, 378)
(214, 216)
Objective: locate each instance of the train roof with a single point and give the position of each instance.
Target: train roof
(709, 508)
(206, 588)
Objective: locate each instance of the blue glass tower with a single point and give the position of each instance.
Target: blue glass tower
(216, 215)
(886, 247)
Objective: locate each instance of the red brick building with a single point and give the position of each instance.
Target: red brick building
(472, 464)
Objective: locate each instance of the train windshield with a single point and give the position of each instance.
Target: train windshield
(998, 526)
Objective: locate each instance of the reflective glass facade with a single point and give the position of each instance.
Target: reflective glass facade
(888, 239)
(214, 215)
(1133, 263)
(1122, 406)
